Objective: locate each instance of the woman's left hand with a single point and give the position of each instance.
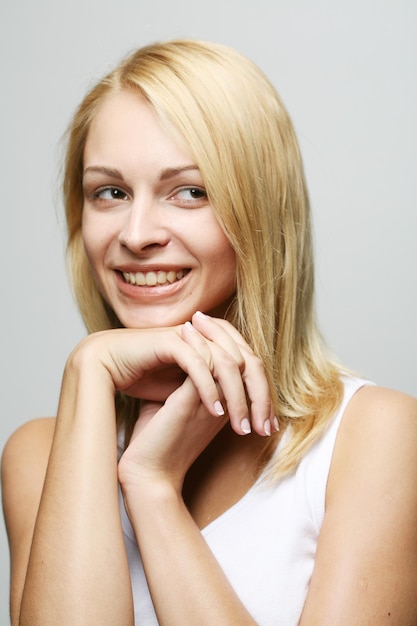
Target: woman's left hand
(167, 439)
(183, 575)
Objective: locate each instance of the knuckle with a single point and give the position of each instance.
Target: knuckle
(257, 366)
(203, 362)
(227, 361)
(238, 408)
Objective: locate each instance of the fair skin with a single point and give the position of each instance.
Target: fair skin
(146, 214)
(154, 224)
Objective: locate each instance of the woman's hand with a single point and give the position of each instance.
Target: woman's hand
(167, 439)
(239, 373)
(152, 363)
(144, 363)
(169, 436)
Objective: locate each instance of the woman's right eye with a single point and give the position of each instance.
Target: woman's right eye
(110, 193)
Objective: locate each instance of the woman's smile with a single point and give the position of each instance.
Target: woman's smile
(153, 278)
(144, 285)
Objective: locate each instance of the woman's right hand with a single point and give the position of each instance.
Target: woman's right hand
(152, 363)
(144, 363)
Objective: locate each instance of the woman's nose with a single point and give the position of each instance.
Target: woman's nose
(144, 226)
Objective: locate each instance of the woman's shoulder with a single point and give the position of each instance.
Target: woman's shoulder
(24, 461)
(367, 548)
(379, 412)
(377, 436)
(31, 441)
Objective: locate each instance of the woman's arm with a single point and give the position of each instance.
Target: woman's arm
(186, 582)
(23, 469)
(366, 564)
(77, 571)
(70, 565)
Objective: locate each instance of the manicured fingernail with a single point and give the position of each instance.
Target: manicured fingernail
(245, 426)
(200, 314)
(218, 407)
(190, 326)
(267, 428)
(276, 424)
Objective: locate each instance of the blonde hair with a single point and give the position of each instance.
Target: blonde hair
(232, 121)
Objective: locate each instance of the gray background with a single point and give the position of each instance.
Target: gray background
(347, 72)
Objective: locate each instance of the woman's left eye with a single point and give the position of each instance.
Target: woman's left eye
(195, 196)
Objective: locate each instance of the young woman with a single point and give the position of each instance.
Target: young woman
(209, 463)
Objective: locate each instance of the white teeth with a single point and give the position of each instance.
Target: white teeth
(150, 279)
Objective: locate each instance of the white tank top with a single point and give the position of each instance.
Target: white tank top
(266, 542)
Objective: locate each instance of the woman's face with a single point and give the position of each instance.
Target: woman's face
(156, 249)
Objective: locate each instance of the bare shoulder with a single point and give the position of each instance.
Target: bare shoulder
(375, 454)
(30, 442)
(372, 402)
(366, 562)
(378, 432)
(23, 467)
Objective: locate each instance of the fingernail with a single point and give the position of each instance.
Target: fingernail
(276, 424)
(267, 428)
(218, 407)
(190, 326)
(245, 426)
(200, 314)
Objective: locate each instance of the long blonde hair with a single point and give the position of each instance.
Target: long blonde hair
(232, 121)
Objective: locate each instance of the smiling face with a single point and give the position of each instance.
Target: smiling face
(155, 247)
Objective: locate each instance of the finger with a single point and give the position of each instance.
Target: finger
(225, 365)
(198, 368)
(180, 413)
(135, 355)
(246, 392)
(195, 339)
(222, 333)
(257, 388)
(252, 371)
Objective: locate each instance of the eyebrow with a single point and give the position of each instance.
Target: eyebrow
(170, 172)
(103, 170)
(165, 174)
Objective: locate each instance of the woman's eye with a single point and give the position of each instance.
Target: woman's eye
(110, 193)
(193, 193)
(195, 196)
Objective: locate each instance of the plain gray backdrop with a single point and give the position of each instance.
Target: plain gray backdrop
(347, 73)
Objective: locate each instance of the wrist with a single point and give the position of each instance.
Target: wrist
(87, 393)
(85, 363)
(148, 491)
